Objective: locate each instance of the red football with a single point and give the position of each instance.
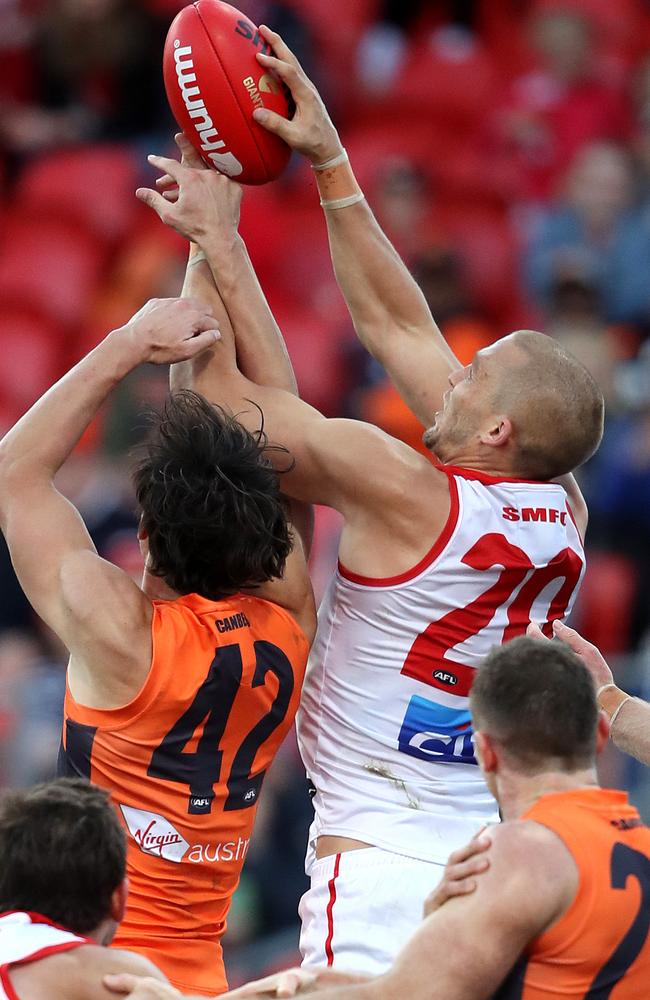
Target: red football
(214, 83)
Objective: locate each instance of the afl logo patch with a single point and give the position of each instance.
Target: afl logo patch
(444, 677)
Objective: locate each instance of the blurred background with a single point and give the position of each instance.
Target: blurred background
(504, 146)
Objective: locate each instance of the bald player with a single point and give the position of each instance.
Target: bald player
(438, 562)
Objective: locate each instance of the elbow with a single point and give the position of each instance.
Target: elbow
(14, 473)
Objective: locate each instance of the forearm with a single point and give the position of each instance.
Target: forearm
(261, 351)
(206, 373)
(630, 730)
(389, 312)
(383, 297)
(44, 437)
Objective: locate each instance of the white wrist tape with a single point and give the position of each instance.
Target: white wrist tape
(196, 259)
(614, 716)
(352, 199)
(334, 162)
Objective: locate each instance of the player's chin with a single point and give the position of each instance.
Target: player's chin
(431, 437)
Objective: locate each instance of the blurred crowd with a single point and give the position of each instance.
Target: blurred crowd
(505, 148)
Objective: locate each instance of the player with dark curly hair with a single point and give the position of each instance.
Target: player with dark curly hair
(181, 691)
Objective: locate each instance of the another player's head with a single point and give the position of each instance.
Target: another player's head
(525, 405)
(534, 712)
(63, 855)
(212, 512)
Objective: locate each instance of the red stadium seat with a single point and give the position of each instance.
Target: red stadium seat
(486, 245)
(93, 186)
(30, 347)
(606, 601)
(316, 352)
(52, 266)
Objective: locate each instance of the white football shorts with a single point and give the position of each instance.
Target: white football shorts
(362, 907)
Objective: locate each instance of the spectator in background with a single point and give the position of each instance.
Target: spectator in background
(575, 320)
(640, 145)
(439, 274)
(32, 686)
(96, 75)
(564, 102)
(594, 234)
(403, 205)
(383, 49)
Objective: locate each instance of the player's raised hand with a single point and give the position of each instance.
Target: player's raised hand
(459, 876)
(165, 331)
(140, 988)
(588, 653)
(198, 203)
(310, 130)
(189, 158)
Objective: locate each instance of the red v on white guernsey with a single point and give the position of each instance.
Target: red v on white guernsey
(384, 726)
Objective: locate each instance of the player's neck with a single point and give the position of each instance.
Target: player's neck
(518, 793)
(492, 461)
(156, 589)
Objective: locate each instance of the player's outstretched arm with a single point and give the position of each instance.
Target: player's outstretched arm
(388, 310)
(629, 718)
(212, 201)
(221, 265)
(94, 608)
(207, 204)
(337, 462)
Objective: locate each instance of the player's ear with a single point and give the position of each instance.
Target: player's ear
(143, 534)
(498, 432)
(118, 901)
(602, 732)
(485, 753)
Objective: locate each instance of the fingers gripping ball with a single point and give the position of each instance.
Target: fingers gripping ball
(214, 83)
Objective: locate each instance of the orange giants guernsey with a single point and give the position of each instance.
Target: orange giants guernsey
(184, 762)
(600, 948)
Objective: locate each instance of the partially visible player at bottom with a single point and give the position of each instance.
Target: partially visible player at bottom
(563, 907)
(62, 893)
(180, 692)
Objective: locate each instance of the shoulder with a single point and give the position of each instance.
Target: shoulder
(292, 627)
(108, 622)
(526, 856)
(76, 974)
(88, 581)
(114, 960)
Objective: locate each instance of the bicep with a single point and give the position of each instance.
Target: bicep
(469, 957)
(42, 529)
(92, 605)
(337, 462)
(473, 941)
